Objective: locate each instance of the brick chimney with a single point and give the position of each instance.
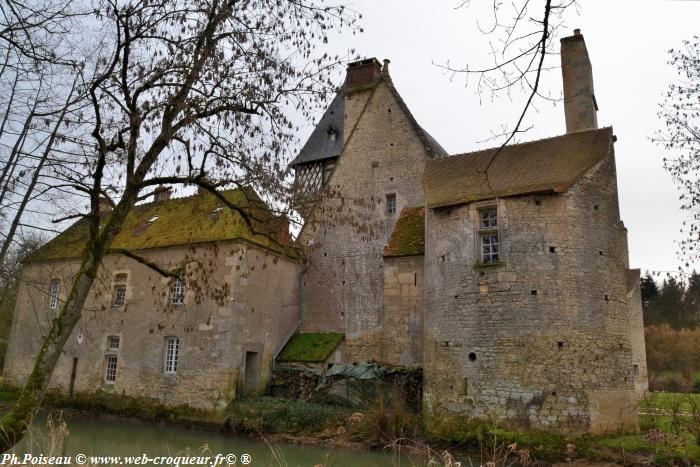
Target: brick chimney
(580, 106)
(162, 193)
(362, 74)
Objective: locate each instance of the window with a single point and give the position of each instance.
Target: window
(488, 235)
(489, 248)
(177, 292)
(113, 343)
(489, 219)
(391, 203)
(53, 296)
(111, 369)
(119, 294)
(172, 351)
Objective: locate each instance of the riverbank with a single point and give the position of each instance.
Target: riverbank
(664, 440)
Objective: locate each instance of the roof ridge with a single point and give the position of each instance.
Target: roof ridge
(525, 143)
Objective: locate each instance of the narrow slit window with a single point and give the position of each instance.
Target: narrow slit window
(172, 353)
(391, 203)
(53, 295)
(111, 369)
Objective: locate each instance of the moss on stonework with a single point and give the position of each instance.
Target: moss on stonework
(311, 347)
(408, 237)
(179, 221)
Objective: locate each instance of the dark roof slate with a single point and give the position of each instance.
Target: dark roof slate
(546, 165)
(320, 147)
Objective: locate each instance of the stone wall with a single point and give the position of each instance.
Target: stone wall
(402, 341)
(239, 299)
(542, 339)
(344, 284)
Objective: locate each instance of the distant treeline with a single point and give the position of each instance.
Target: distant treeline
(671, 302)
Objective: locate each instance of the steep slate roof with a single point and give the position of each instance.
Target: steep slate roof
(547, 165)
(408, 237)
(180, 221)
(319, 147)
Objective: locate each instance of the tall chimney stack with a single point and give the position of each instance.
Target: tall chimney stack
(362, 74)
(580, 106)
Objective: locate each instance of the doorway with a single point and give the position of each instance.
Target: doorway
(252, 370)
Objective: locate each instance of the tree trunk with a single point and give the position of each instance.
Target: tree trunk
(13, 425)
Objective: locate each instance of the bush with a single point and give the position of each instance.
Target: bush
(696, 386)
(261, 415)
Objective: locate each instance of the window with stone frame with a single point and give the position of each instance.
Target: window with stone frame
(177, 291)
(112, 343)
(53, 294)
(489, 240)
(119, 290)
(391, 203)
(172, 354)
(110, 369)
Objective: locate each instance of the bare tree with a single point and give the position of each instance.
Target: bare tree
(680, 113)
(523, 48)
(184, 92)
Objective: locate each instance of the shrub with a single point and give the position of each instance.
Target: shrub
(261, 415)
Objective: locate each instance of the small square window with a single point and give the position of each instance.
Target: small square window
(489, 248)
(53, 297)
(111, 369)
(391, 203)
(113, 343)
(489, 218)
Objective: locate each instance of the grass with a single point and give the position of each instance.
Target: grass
(311, 346)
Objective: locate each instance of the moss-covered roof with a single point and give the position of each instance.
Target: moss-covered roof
(178, 221)
(408, 237)
(549, 165)
(311, 346)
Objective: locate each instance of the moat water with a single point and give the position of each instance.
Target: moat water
(110, 437)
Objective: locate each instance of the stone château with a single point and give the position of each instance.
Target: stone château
(502, 273)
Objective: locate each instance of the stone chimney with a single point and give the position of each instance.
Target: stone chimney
(104, 206)
(362, 74)
(580, 106)
(162, 193)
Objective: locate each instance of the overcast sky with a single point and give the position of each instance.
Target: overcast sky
(628, 43)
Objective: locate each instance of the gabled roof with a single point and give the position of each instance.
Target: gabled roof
(179, 221)
(320, 147)
(408, 237)
(547, 165)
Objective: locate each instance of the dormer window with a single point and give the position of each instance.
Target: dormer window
(332, 133)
